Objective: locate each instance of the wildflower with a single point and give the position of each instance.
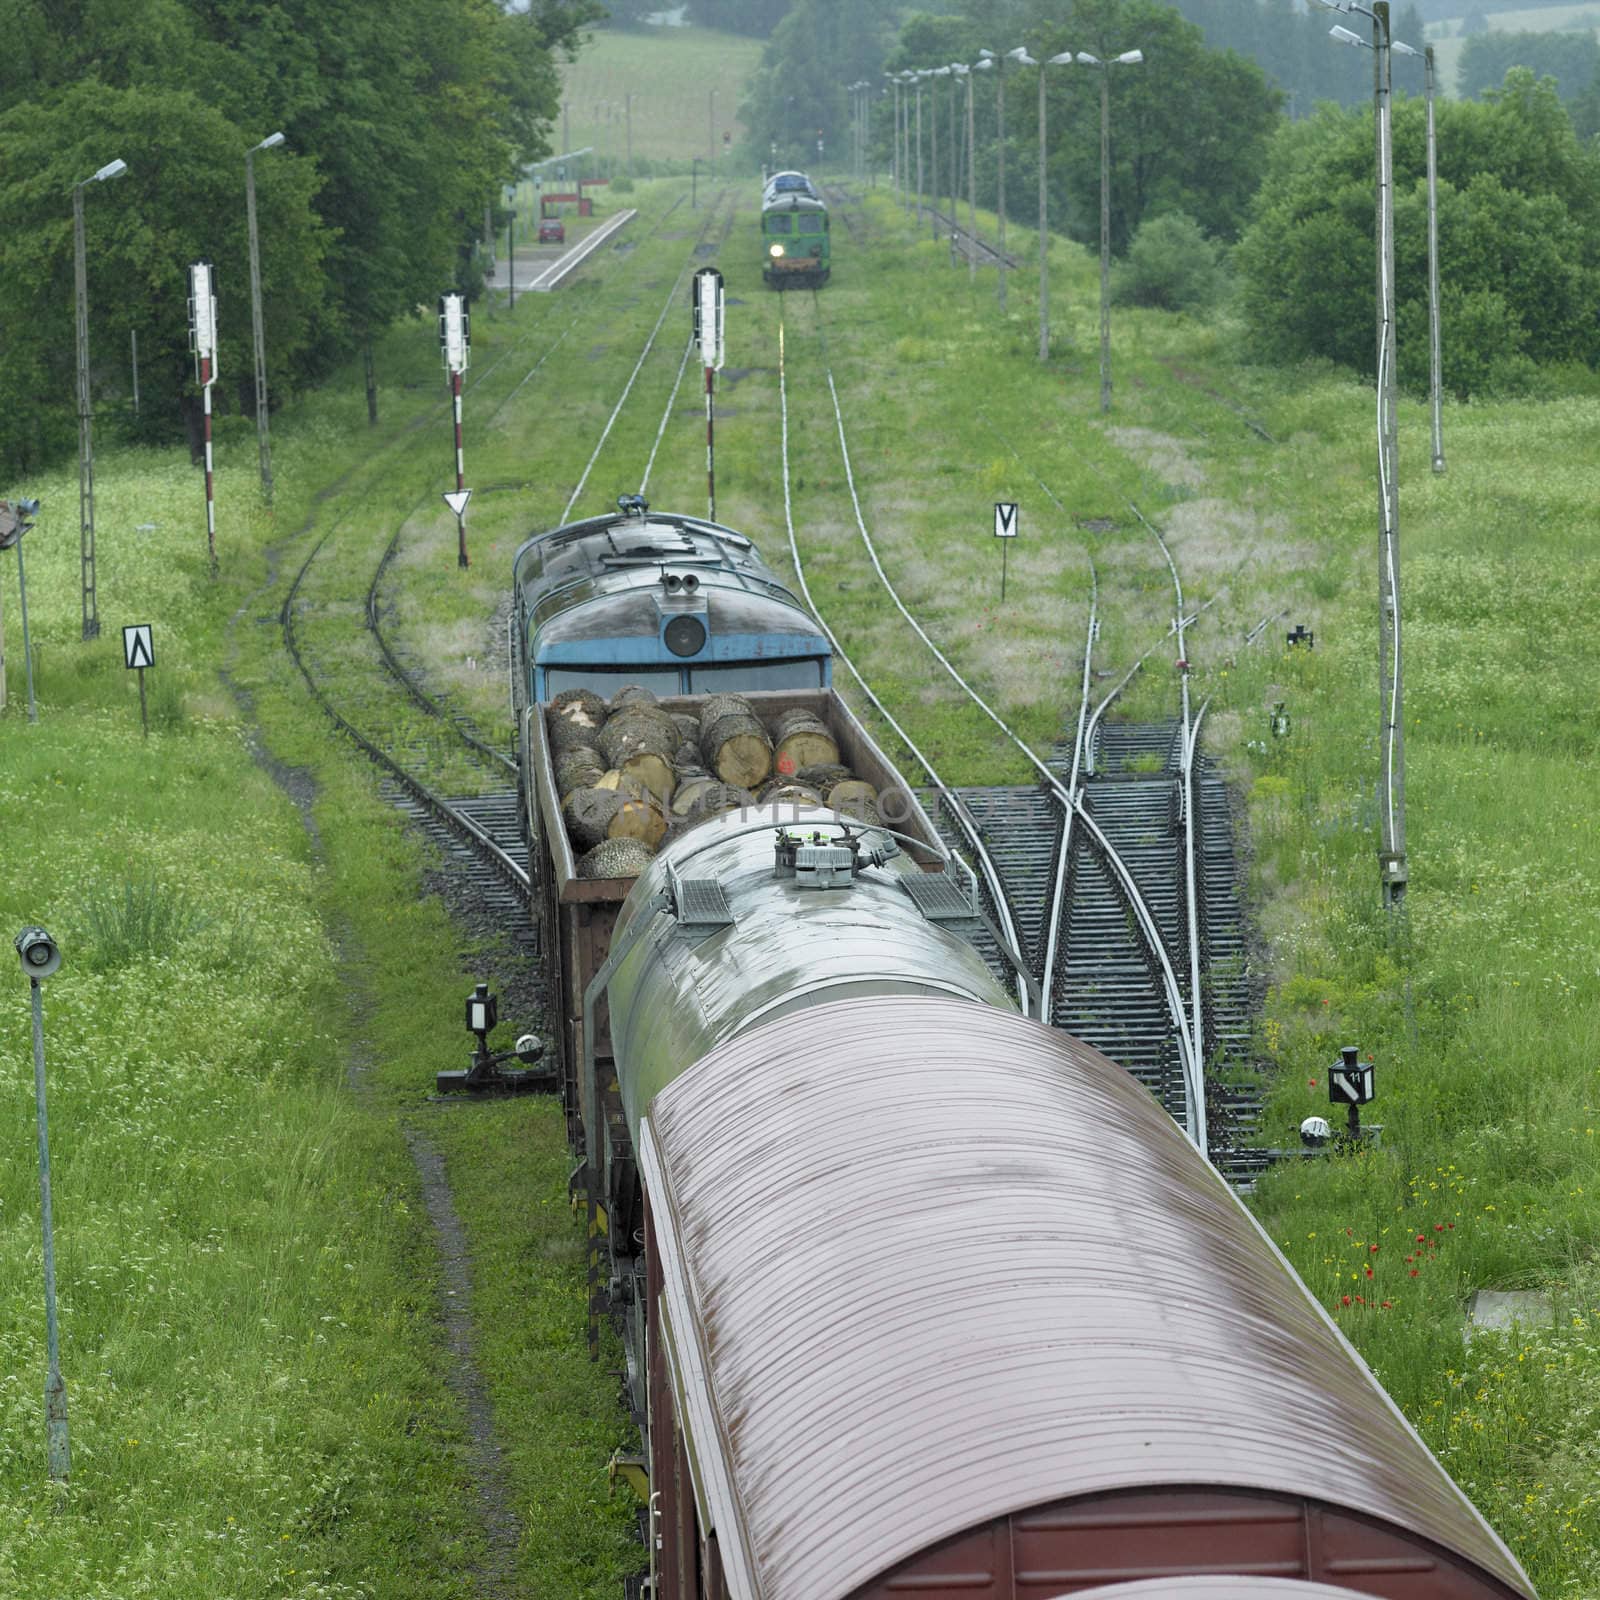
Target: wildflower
(1369, 1272)
(1388, 1305)
(1373, 1249)
(1438, 1227)
(1345, 1300)
(1422, 1238)
(1413, 1272)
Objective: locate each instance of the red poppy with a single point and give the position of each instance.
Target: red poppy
(1422, 1238)
(1373, 1248)
(1369, 1272)
(1449, 1224)
(1388, 1305)
(1346, 1300)
(1413, 1272)
(1360, 1301)
(1311, 1083)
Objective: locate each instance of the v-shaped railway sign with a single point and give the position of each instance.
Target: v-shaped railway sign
(138, 648)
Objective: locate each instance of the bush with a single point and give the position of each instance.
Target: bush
(1170, 265)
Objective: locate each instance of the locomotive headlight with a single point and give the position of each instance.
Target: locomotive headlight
(774, 250)
(685, 636)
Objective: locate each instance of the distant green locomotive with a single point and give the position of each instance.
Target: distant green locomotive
(794, 232)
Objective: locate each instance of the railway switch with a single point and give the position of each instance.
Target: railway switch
(488, 1073)
(1350, 1083)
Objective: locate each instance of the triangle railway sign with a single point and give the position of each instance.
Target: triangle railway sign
(457, 500)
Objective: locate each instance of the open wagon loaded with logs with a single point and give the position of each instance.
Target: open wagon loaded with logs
(631, 773)
(607, 783)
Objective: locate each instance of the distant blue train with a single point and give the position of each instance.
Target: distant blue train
(676, 603)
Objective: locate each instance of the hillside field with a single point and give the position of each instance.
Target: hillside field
(670, 72)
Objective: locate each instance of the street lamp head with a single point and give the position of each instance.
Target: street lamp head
(1021, 57)
(13, 521)
(1403, 49)
(986, 55)
(1089, 60)
(1065, 59)
(271, 142)
(1130, 58)
(978, 66)
(38, 952)
(114, 169)
(1345, 36)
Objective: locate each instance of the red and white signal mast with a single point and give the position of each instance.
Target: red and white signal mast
(708, 327)
(455, 344)
(203, 341)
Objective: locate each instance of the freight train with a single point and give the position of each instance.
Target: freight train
(916, 1295)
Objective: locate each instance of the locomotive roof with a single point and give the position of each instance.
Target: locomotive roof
(788, 182)
(926, 1264)
(622, 557)
(792, 202)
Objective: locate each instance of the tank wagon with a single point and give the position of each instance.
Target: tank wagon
(676, 603)
(795, 242)
(937, 1298)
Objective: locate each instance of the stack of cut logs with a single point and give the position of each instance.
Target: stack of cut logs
(631, 774)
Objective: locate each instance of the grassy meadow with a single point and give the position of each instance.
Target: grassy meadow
(670, 73)
(245, 1030)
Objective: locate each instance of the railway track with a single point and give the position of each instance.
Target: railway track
(1116, 870)
(439, 769)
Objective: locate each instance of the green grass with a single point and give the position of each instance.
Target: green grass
(670, 72)
(221, 1190)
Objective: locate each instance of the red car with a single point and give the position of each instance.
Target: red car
(552, 231)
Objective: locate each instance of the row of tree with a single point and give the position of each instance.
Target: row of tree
(1201, 156)
(402, 122)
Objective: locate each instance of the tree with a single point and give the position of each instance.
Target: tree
(1189, 128)
(181, 201)
(1519, 240)
(402, 121)
(797, 95)
(1568, 58)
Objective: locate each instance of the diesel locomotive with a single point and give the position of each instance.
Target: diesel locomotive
(795, 242)
(675, 603)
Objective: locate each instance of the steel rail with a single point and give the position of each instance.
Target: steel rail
(513, 874)
(638, 366)
(965, 822)
(462, 824)
(1194, 1119)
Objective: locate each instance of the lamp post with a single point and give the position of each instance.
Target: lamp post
(1062, 60)
(80, 275)
(263, 439)
(920, 76)
(12, 527)
(711, 129)
(1128, 58)
(933, 146)
(1391, 723)
(987, 61)
(958, 70)
(972, 180)
(896, 171)
(1435, 374)
(694, 180)
(40, 958)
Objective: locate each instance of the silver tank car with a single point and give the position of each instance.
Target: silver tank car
(738, 935)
